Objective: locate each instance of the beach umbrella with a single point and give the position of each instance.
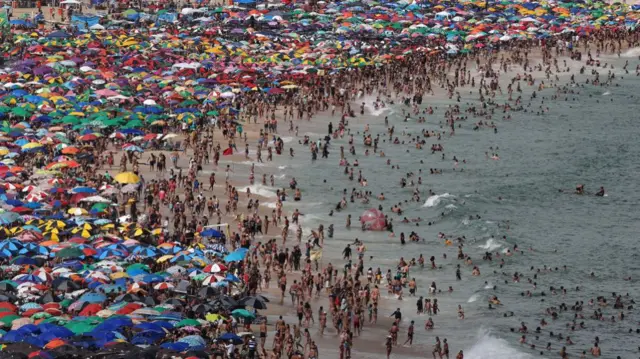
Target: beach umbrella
(242, 313)
(255, 302)
(231, 337)
(92, 298)
(236, 256)
(77, 211)
(373, 219)
(210, 232)
(188, 322)
(127, 178)
(195, 342)
(164, 286)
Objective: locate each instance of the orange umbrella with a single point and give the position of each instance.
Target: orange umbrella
(70, 150)
(55, 344)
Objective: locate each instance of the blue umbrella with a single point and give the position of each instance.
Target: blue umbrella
(114, 323)
(144, 251)
(25, 261)
(10, 246)
(83, 190)
(14, 202)
(231, 337)
(236, 256)
(9, 217)
(59, 331)
(179, 346)
(149, 327)
(92, 298)
(111, 253)
(35, 249)
(152, 278)
(210, 232)
(195, 342)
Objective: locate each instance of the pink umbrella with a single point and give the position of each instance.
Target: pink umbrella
(373, 220)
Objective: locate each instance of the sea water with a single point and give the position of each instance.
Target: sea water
(591, 138)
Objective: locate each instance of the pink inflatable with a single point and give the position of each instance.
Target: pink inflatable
(373, 220)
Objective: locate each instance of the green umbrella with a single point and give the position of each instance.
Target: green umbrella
(69, 252)
(56, 320)
(20, 112)
(139, 266)
(99, 207)
(133, 124)
(188, 323)
(242, 313)
(7, 320)
(80, 326)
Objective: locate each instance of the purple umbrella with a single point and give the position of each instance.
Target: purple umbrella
(42, 70)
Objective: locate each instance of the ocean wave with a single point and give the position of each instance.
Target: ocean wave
(489, 347)
(473, 298)
(634, 52)
(491, 245)
(249, 163)
(434, 200)
(259, 190)
(369, 106)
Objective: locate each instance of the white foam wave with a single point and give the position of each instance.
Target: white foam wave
(635, 52)
(473, 298)
(607, 93)
(282, 167)
(488, 285)
(280, 176)
(249, 163)
(369, 106)
(435, 199)
(491, 245)
(259, 190)
(490, 347)
(450, 206)
(270, 204)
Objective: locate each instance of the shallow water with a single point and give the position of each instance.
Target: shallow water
(579, 141)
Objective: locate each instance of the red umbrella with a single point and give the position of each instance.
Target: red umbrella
(9, 306)
(21, 210)
(90, 310)
(88, 137)
(129, 308)
(78, 196)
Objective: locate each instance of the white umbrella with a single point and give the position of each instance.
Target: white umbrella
(149, 102)
(96, 199)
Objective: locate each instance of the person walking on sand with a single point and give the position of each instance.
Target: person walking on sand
(437, 348)
(409, 334)
(389, 345)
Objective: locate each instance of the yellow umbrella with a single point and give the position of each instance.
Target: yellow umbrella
(213, 317)
(119, 275)
(77, 211)
(165, 258)
(31, 145)
(127, 178)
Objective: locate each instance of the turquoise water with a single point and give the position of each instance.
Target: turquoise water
(589, 140)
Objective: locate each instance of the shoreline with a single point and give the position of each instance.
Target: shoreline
(275, 310)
